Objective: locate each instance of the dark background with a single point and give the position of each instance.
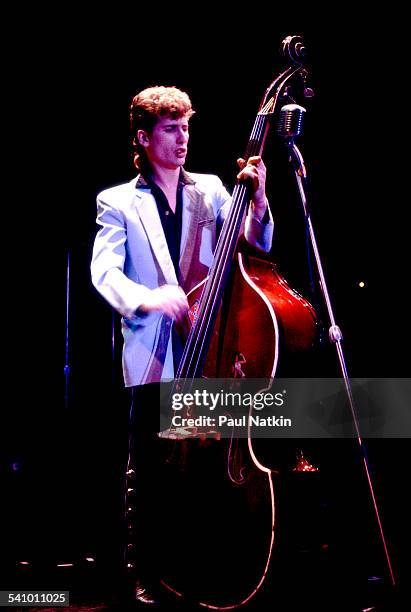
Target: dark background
(69, 87)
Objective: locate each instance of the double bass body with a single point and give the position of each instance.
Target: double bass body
(219, 536)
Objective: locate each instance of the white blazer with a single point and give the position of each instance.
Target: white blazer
(131, 257)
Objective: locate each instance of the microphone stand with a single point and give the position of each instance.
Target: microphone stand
(67, 364)
(334, 331)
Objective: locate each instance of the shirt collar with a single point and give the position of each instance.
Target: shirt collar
(145, 183)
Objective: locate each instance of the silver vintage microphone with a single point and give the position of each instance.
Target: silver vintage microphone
(290, 121)
(288, 127)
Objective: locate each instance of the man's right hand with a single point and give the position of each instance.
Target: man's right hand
(169, 299)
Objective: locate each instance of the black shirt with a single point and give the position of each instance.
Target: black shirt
(171, 221)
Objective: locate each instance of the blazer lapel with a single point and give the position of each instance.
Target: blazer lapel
(148, 212)
(194, 213)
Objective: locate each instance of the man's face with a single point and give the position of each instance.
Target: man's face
(166, 145)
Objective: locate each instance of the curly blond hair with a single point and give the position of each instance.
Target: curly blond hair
(150, 104)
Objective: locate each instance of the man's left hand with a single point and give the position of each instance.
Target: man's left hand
(255, 171)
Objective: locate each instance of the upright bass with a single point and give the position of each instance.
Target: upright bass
(219, 537)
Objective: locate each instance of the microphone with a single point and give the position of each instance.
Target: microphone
(289, 124)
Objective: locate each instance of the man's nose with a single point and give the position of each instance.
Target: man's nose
(182, 136)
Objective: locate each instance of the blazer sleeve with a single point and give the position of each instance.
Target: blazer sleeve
(259, 233)
(107, 265)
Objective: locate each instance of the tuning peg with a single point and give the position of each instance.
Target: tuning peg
(307, 91)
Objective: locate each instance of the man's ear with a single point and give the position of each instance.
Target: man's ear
(142, 138)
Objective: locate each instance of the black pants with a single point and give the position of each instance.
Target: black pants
(143, 487)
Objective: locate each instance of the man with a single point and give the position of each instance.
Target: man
(155, 243)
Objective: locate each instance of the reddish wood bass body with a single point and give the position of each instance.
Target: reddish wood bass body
(260, 316)
(218, 488)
